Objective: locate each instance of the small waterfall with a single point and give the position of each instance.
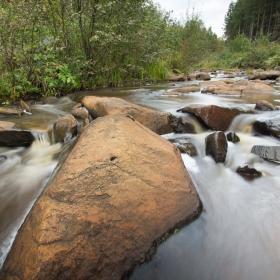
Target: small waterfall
(24, 173)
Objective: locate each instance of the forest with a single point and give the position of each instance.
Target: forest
(52, 47)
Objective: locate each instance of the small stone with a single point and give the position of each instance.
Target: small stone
(232, 137)
(248, 172)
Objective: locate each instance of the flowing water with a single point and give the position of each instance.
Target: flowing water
(236, 236)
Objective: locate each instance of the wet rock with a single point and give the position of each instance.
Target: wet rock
(212, 83)
(265, 75)
(24, 106)
(271, 153)
(203, 76)
(232, 137)
(9, 112)
(158, 122)
(264, 105)
(65, 129)
(216, 146)
(80, 113)
(192, 77)
(213, 116)
(111, 203)
(180, 126)
(188, 89)
(278, 80)
(268, 126)
(221, 90)
(6, 125)
(177, 78)
(248, 172)
(186, 147)
(16, 138)
(2, 159)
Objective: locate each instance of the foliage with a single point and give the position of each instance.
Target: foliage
(251, 17)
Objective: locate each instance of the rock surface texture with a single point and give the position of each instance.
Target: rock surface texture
(268, 126)
(109, 205)
(16, 138)
(65, 129)
(213, 116)
(158, 122)
(267, 152)
(216, 146)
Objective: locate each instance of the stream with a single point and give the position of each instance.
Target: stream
(236, 236)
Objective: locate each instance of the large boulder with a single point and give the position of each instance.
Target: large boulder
(216, 146)
(158, 122)
(271, 153)
(65, 129)
(213, 116)
(268, 126)
(264, 75)
(111, 203)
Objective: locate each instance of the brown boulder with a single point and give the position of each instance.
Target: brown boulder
(108, 207)
(65, 129)
(213, 116)
(264, 75)
(203, 76)
(158, 122)
(177, 78)
(216, 146)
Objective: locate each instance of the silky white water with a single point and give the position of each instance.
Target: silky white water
(236, 236)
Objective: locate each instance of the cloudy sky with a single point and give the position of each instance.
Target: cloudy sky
(212, 11)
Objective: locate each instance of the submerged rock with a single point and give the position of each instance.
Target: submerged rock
(213, 116)
(9, 112)
(248, 172)
(111, 203)
(158, 122)
(65, 129)
(6, 125)
(264, 105)
(216, 146)
(232, 137)
(183, 90)
(271, 153)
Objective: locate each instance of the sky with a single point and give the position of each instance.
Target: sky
(212, 11)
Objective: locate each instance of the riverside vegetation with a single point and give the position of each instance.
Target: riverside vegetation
(52, 47)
